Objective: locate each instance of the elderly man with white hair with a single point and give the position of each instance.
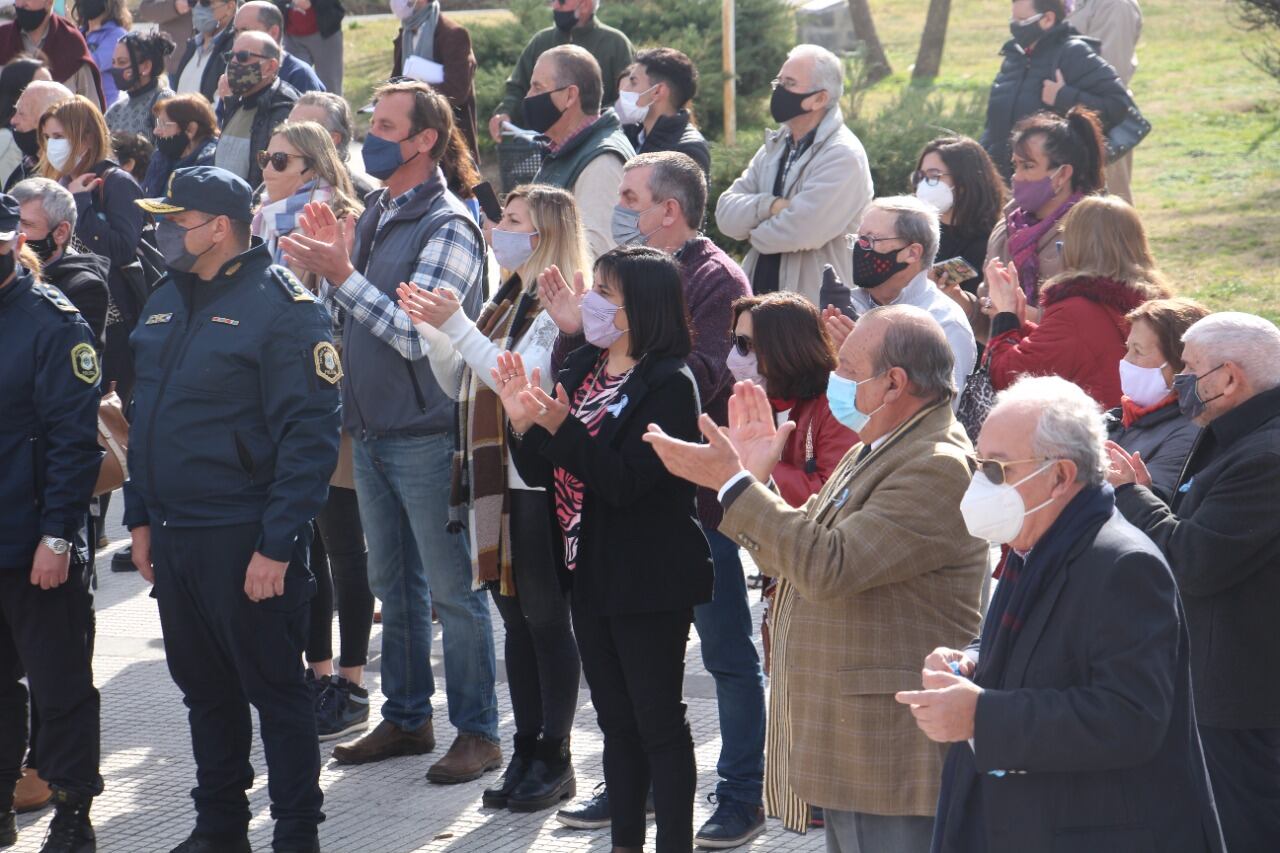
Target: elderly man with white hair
(1220, 536)
(806, 187)
(1070, 719)
(27, 110)
(878, 568)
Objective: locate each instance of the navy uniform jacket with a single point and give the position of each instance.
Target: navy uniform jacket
(235, 408)
(49, 454)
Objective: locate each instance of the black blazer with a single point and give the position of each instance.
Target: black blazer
(1095, 715)
(641, 548)
(1223, 544)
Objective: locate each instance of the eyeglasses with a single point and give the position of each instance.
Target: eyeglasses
(994, 469)
(243, 56)
(742, 344)
(869, 243)
(160, 125)
(279, 160)
(1022, 22)
(929, 176)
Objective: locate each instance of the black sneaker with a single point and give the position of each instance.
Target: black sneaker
(208, 844)
(594, 813)
(122, 560)
(343, 709)
(70, 831)
(731, 825)
(317, 686)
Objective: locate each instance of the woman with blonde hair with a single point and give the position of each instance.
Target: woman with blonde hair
(1108, 271)
(300, 165)
(75, 151)
(509, 522)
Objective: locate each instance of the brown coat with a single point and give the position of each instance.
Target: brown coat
(883, 571)
(452, 47)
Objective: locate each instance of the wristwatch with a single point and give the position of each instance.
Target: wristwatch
(56, 545)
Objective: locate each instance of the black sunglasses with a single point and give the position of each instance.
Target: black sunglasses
(742, 344)
(243, 56)
(993, 469)
(279, 160)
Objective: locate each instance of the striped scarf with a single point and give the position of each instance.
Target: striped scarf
(479, 480)
(276, 219)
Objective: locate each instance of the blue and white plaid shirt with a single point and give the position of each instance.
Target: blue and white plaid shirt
(449, 259)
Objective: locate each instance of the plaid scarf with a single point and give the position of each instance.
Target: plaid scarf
(479, 480)
(1024, 237)
(276, 219)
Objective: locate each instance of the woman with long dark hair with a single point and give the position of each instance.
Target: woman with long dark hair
(957, 177)
(629, 534)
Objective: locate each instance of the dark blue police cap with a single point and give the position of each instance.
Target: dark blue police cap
(207, 189)
(10, 212)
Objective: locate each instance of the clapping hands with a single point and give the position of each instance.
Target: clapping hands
(562, 300)
(524, 400)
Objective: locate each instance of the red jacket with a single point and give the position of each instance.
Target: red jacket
(1081, 338)
(812, 451)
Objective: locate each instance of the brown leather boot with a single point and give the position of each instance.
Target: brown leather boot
(32, 793)
(386, 741)
(470, 757)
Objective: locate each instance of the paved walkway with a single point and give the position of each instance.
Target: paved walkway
(383, 808)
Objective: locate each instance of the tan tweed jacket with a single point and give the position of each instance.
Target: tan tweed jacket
(881, 571)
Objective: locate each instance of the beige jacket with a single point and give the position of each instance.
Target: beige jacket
(1117, 24)
(596, 191)
(829, 187)
(882, 571)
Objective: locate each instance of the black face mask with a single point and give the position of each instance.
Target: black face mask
(872, 269)
(123, 83)
(27, 142)
(6, 261)
(565, 21)
(30, 19)
(90, 9)
(1026, 34)
(784, 105)
(45, 248)
(540, 112)
(172, 146)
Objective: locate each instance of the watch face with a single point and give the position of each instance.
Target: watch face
(57, 546)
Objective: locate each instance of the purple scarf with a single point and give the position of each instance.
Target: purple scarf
(1024, 233)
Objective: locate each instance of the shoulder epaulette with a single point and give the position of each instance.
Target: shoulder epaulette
(59, 300)
(292, 287)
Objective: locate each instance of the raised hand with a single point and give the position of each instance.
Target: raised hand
(753, 432)
(551, 411)
(838, 325)
(711, 464)
(510, 380)
(319, 244)
(1126, 467)
(433, 307)
(1003, 287)
(562, 301)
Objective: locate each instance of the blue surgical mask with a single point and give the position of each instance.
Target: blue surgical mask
(842, 399)
(1187, 385)
(382, 156)
(626, 226)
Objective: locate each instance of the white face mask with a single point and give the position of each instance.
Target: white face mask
(57, 152)
(512, 248)
(402, 9)
(628, 108)
(940, 195)
(744, 367)
(996, 513)
(1145, 386)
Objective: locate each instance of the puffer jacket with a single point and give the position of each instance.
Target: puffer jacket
(1015, 94)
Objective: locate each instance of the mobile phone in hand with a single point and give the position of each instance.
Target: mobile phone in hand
(488, 199)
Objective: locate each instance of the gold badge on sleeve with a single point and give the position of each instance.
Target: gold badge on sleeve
(84, 363)
(328, 366)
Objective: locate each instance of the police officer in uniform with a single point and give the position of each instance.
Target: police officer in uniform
(234, 435)
(49, 460)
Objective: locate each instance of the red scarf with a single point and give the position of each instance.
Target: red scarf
(64, 50)
(1131, 412)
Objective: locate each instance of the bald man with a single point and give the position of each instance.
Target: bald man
(256, 100)
(264, 17)
(31, 104)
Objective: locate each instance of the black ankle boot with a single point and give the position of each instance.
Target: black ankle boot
(549, 781)
(525, 749)
(70, 831)
(8, 829)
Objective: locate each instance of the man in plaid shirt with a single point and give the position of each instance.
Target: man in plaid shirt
(404, 430)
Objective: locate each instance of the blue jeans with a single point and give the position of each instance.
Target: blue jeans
(402, 483)
(724, 627)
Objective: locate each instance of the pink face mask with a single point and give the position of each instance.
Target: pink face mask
(744, 367)
(597, 320)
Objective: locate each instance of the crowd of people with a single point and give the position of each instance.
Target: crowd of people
(1009, 492)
